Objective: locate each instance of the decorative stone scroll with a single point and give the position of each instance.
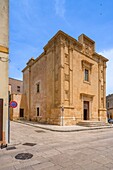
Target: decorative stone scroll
(66, 69)
(66, 77)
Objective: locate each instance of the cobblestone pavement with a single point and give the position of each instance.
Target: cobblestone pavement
(84, 150)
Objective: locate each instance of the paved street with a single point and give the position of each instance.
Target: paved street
(84, 150)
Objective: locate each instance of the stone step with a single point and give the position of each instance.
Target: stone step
(88, 123)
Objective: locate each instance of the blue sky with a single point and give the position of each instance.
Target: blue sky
(33, 22)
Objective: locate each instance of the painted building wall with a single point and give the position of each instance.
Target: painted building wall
(109, 106)
(16, 94)
(16, 86)
(15, 112)
(4, 65)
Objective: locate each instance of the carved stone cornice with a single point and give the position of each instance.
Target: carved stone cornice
(100, 57)
(86, 64)
(30, 62)
(64, 38)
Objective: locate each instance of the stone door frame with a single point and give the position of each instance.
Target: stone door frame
(86, 109)
(87, 98)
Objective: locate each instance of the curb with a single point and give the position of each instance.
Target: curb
(58, 130)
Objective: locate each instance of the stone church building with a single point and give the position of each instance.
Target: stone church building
(66, 83)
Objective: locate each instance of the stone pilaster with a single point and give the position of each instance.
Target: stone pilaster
(99, 85)
(29, 93)
(62, 73)
(71, 74)
(57, 75)
(104, 84)
(102, 91)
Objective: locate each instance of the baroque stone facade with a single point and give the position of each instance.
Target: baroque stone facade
(66, 83)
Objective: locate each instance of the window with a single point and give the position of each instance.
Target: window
(38, 113)
(21, 112)
(87, 68)
(18, 88)
(9, 97)
(38, 87)
(86, 75)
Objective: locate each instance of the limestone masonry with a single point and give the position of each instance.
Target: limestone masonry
(66, 83)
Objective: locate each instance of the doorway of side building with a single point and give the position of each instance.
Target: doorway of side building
(1, 118)
(21, 113)
(86, 110)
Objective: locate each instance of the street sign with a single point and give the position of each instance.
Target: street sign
(13, 104)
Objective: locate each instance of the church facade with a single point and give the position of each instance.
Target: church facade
(66, 83)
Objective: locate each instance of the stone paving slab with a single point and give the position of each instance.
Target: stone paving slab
(26, 164)
(86, 150)
(44, 165)
(61, 128)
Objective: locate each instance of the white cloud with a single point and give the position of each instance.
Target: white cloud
(60, 8)
(109, 81)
